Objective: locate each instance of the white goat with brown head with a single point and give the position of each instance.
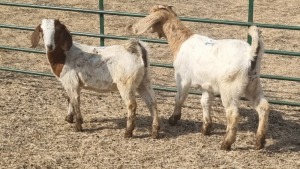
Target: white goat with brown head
(228, 67)
(120, 67)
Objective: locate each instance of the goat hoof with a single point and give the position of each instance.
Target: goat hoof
(260, 143)
(154, 133)
(78, 127)
(225, 146)
(69, 118)
(174, 119)
(206, 129)
(128, 134)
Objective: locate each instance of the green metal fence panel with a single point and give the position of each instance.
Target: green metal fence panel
(275, 52)
(159, 88)
(101, 17)
(153, 64)
(101, 12)
(202, 20)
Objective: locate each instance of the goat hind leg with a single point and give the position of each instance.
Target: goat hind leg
(255, 94)
(232, 115)
(262, 109)
(230, 102)
(128, 95)
(206, 106)
(147, 94)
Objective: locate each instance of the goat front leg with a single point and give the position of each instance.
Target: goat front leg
(182, 92)
(70, 116)
(255, 94)
(75, 102)
(147, 94)
(128, 95)
(73, 91)
(206, 100)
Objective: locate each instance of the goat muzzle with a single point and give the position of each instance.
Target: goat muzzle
(49, 48)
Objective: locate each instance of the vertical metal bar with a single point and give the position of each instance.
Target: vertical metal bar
(250, 17)
(101, 17)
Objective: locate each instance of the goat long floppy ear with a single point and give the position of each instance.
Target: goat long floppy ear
(144, 24)
(35, 36)
(67, 38)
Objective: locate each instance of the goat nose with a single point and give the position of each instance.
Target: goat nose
(49, 47)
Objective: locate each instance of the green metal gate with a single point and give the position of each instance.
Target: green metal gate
(101, 12)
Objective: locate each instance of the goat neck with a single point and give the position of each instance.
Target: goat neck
(57, 59)
(176, 33)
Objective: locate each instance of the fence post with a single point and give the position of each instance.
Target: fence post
(101, 16)
(250, 17)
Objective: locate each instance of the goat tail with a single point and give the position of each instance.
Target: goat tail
(257, 47)
(139, 48)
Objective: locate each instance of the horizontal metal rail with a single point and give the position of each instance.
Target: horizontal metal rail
(277, 52)
(89, 34)
(203, 20)
(152, 64)
(22, 49)
(155, 87)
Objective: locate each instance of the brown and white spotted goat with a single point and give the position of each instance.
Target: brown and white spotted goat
(119, 67)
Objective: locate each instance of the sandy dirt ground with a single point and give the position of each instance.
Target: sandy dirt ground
(33, 133)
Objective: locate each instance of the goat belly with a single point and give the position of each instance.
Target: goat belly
(96, 78)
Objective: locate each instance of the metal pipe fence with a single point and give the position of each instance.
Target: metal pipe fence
(101, 12)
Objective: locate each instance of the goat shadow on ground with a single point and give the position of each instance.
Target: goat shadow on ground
(144, 124)
(285, 133)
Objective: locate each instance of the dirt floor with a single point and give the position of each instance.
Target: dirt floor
(33, 133)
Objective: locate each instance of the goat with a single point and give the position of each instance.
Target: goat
(101, 69)
(227, 67)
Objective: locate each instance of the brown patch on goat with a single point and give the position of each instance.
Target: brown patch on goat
(63, 42)
(35, 36)
(62, 36)
(57, 60)
(176, 33)
(144, 55)
(163, 20)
